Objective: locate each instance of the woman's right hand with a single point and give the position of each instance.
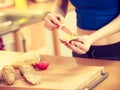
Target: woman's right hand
(53, 21)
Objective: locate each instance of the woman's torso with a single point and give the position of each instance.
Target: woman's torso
(94, 14)
(104, 41)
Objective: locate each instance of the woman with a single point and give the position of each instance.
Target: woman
(98, 23)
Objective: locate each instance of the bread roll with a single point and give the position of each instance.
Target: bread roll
(8, 74)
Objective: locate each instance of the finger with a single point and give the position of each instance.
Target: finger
(77, 50)
(49, 27)
(56, 19)
(80, 45)
(49, 23)
(74, 48)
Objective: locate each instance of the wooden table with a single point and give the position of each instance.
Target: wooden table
(112, 67)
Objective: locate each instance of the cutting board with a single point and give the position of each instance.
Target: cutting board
(58, 77)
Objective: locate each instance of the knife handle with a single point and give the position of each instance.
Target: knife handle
(94, 84)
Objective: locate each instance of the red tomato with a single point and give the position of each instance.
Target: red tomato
(42, 65)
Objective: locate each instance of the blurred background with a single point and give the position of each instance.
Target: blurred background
(22, 29)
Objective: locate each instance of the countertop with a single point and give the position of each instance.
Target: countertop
(12, 22)
(111, 67)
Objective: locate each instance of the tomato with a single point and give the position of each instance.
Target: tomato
(42, 65)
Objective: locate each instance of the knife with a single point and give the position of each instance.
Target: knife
(71, 36)
(66, 30)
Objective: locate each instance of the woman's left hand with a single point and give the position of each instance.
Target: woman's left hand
(81, 45)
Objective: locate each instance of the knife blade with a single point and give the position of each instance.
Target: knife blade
(66, 30)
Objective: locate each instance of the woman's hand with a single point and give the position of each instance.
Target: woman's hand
(81, 45)
(53, 21)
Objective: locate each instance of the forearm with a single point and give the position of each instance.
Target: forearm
(111, 28)
(61, 7)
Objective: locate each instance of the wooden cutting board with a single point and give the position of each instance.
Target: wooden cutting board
(58, 77)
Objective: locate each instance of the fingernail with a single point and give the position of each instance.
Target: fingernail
(72, 42)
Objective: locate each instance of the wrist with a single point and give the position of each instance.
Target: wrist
(92, 38)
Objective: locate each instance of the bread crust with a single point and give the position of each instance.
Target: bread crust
(8, 74)
(29, 74)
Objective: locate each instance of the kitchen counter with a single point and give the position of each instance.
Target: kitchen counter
(111, 67)
(20, 17)
(12, 22)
